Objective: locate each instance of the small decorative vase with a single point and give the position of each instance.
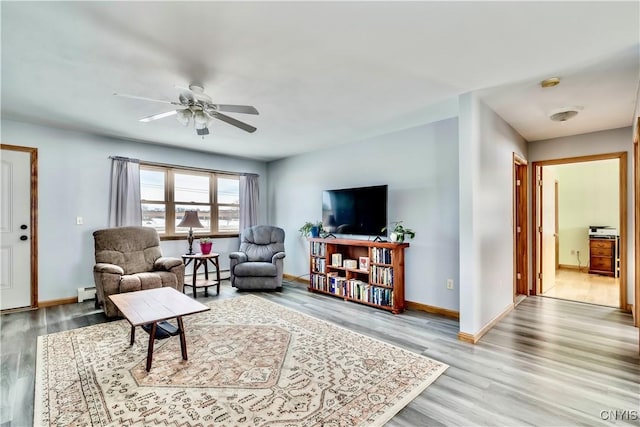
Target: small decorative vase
(315, 231)
(396, 237)
(205, 248)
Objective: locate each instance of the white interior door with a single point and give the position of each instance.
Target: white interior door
(15, 233)
(548, 229)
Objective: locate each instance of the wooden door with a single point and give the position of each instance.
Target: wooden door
(557, 225)
(520, 215)
(548, 229)
(17, 269)
(636, 197)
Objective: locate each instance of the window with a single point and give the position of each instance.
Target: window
(166, 193)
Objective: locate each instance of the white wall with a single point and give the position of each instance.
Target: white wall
(487, 144)
(73, 180)
(588, 194)
(603, 142)
(420, 167)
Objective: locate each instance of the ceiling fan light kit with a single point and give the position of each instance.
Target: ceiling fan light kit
(184, 116)
(198, 106)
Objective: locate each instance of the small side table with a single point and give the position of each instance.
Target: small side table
(200, 260)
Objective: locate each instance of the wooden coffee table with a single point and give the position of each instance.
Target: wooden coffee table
(151, 306)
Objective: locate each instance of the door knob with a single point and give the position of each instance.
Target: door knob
(23, 237)
(23, 227)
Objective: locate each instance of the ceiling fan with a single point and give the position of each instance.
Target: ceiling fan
(196, 106)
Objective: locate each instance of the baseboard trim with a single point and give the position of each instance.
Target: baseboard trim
(463, 336)
(17, 310)
(581, 269)
(630, 309)
(474, 338)
(410, 305)
(54, 302)
(297, 279)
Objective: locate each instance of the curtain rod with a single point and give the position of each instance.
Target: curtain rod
(169, 165)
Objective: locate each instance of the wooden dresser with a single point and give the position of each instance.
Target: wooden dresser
(603, 254)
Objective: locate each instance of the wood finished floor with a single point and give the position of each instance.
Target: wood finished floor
(584, 287)
(548, 363)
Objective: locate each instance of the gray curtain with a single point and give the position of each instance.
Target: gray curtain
(249, 198)
(124, 195)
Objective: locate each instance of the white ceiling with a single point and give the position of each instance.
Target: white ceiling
(320, 73)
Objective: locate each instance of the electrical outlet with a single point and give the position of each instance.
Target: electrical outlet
(449, 283)
(79, 220)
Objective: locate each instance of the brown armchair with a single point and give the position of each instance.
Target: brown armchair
(129, 259)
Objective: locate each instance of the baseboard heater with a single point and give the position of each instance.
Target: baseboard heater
(86, 293)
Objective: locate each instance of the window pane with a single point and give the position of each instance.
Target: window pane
(153, 215)
(228, 191)
(228, 219)
(151, 185)
(191, 188)
(204, 215)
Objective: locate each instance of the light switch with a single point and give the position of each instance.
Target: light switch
(79, 220)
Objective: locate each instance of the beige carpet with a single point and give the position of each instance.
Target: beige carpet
(251, 362)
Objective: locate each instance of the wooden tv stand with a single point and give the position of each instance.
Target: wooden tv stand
(380, 283)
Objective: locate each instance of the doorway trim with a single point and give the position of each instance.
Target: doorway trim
(33, 152)
(520, 239)
(636, 193)
(622, 170)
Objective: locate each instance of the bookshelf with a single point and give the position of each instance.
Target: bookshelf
(376, 279)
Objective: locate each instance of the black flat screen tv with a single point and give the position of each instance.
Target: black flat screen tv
(358, 211)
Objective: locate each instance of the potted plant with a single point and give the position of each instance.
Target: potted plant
(312, 229)
(205, 245)
(399, 232)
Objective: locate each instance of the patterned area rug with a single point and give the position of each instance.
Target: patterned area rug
(251, 362)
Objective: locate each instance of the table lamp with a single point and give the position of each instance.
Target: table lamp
(190, 219)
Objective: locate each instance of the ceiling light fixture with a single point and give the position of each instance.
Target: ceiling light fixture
(197, 107)
(184, 116)
(550, 82)
(563, 116)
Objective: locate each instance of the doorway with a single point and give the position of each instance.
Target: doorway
(580, 229)
(18, 228)
(636, 192)
(520, 227)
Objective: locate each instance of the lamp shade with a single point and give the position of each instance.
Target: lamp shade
(184, 116)
(190, 219)
(200, 118)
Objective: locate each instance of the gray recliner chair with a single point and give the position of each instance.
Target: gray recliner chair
(258, 263)
(129, 259)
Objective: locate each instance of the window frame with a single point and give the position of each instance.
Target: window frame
(170, 203)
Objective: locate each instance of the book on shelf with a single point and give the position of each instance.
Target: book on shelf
(319, 282)
(318, 248)
(336, 260)
(382, 275)
(381, 255)
(319, 265)
(350, 263)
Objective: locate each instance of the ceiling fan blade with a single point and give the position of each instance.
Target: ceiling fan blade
(244, 109)
(158, 116)
(234, 122)
(146, 99)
